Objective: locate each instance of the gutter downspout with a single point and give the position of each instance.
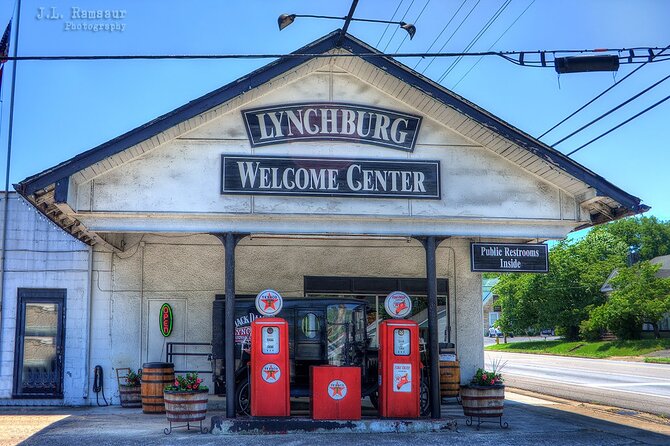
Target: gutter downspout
(3, 263)
(89, 325)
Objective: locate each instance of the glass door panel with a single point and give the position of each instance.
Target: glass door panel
(39, 361)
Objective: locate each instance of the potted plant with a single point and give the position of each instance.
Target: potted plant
(129, 389)
(484, 397)
(186, 401)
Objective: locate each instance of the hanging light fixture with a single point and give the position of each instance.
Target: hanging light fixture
(285, 20)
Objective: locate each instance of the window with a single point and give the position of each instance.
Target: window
(310, 326)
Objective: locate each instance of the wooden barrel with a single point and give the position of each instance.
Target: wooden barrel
(183, 407)
(130, 396)
(450, 378)
(155, 376)
(482, 401)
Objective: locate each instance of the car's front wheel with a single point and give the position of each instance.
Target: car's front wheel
(374, 399)
(243, 397)
(424, 398)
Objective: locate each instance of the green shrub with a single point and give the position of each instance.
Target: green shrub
(589, 330)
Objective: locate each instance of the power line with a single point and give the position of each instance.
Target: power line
(603, 92)
(452, 35)
(397, 28)
(620, 125)
(441, 32)
(388, 24)
(507, 55)
(494, 43)
(414, 22)
(479, 35)
(609, 112)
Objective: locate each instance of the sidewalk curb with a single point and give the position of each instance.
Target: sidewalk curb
(267, 426)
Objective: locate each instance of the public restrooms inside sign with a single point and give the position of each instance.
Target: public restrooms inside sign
(509, 257)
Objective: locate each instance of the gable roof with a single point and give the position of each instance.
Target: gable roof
(615, 203)
(662, 273)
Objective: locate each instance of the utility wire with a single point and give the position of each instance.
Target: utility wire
(388, 24)
(441, 32)
(507, 55)
(479, 35)
(620, 125)
(452, 35)
(397, 27)
(415, 22)
(609, 112)
(603, 92)
(493, 44)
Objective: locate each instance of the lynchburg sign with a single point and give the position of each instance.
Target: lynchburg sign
(330, 177)
(509, 257)
(329, 122)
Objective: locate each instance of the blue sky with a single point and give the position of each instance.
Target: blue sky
(66, 107)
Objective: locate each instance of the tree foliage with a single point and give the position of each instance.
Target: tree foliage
(646, 235)
(639, 297)
(569, 299)
(563, 297)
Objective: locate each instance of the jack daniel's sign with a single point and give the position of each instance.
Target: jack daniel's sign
(331, 122)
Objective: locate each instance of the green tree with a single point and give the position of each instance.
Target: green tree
(519, 313)
(563, 297)
(639, 297)
(647, 235)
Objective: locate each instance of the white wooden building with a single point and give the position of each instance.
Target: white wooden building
(155, 203)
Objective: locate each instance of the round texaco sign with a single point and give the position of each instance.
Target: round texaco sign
(269, 302)
(271, 373)
(398, 305)
(337, 389)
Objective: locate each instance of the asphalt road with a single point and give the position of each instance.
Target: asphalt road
(628, 385)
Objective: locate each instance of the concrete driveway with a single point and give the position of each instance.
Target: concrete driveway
(532, 421)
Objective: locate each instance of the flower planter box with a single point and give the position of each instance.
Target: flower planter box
(185, 407)
(130, 396)
(483, 402)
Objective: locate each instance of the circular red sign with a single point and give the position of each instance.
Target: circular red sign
(337, 389)
(270, 373)
(269, 302)
(398, 305)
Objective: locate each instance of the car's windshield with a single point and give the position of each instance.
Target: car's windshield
(346, 325)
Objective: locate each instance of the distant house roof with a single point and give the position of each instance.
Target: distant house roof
(663, 272)
(487, 288)
(665, 266)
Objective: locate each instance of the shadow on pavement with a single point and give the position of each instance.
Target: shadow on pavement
(531, 422)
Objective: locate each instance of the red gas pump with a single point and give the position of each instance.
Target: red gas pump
(270, 377)
(399, 361)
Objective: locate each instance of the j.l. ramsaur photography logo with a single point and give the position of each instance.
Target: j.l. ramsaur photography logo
(78, 18)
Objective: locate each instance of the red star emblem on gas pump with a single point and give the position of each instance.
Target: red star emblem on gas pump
(270, 374)
(269, 302)
(337, 390)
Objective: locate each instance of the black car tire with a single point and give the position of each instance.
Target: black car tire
(374, 399)
(243, 397)
(424, 398)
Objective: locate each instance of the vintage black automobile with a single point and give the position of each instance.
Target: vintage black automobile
(334, 331)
